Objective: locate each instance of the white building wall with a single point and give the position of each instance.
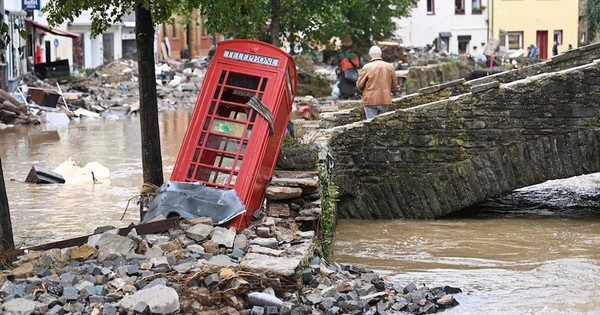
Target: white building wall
(11, 5)
(96, 52)
(421, 28)
(93, 47)
(87, 42)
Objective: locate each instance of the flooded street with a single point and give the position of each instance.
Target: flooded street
(539, 257)
(42, 213)
(533, 252)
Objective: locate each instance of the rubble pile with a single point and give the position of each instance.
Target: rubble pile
(116, 84)
(198, 268)
(393, 52)
(113, 89)
(14, 112)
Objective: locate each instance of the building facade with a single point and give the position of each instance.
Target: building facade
(185, 39)
(23, 53)
(520, 23)
(457, 25)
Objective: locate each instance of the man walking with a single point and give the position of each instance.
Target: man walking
(376, 80)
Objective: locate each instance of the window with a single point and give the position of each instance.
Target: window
(512, 40)
(558, 37)
(459, 6)
(463, 43)
(430, 7)
(476, 7)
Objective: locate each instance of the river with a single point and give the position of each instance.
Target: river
(534, 251)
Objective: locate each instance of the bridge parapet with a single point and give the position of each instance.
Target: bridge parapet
(433, 159)
(568, 59)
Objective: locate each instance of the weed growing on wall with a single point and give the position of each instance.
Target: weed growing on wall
(329, 193)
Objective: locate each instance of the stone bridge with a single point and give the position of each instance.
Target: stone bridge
(464, 142)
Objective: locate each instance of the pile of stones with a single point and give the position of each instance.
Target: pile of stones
(198, 268)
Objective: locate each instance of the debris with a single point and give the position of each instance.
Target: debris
(193, 200)
(54, 118)
(44, 97)
(13, 111)
(40, 175)
(186, 269)
(91, 173)
(86, 113)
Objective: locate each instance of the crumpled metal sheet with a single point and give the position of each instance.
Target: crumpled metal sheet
(193, 200)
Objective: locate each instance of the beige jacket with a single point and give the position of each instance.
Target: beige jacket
(376, 81)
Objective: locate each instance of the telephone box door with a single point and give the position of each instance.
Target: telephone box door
(222, 142)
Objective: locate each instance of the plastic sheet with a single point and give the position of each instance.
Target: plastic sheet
(194, 200)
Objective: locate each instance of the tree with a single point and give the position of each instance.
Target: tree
(592, 12)
(306, 21)
(371, 21)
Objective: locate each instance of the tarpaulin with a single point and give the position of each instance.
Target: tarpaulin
(193, 200)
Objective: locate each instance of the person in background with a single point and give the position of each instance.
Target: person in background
(555, 49)
(479, 55)
(349, 63)
(376, 80)
(534, 54)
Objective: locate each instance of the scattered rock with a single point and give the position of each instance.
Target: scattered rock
(269, 268)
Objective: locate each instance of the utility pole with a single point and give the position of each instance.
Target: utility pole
(151, 154)
(6, 242)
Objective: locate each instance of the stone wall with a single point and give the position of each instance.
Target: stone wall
(430, 160)
(566, 60)
(424, 76)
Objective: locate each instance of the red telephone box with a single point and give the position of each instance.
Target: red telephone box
(239, 122)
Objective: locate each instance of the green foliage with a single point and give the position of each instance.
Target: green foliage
(369, 21)
(329, 193)
(266, 20)
(292, 142)
(235, 18)
(317, 21)
(104, 13)
(592, 12)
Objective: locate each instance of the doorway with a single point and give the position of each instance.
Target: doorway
(47, 51)
(108, 41)
(542, 43)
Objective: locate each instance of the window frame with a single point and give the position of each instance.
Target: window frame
(560, 41)
(432, 4)
(507, 40)
(474, 10)
(460, 11)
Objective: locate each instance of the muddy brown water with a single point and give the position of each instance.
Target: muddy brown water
(509, 257)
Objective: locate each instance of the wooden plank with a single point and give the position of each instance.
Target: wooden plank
(7, 242)
(141, 229)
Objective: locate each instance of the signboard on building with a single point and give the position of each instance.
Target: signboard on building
(128, 36)
(30, 5)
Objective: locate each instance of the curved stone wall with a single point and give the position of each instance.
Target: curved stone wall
(430, 160)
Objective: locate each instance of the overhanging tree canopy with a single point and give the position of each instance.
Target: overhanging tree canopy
(267, 20)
